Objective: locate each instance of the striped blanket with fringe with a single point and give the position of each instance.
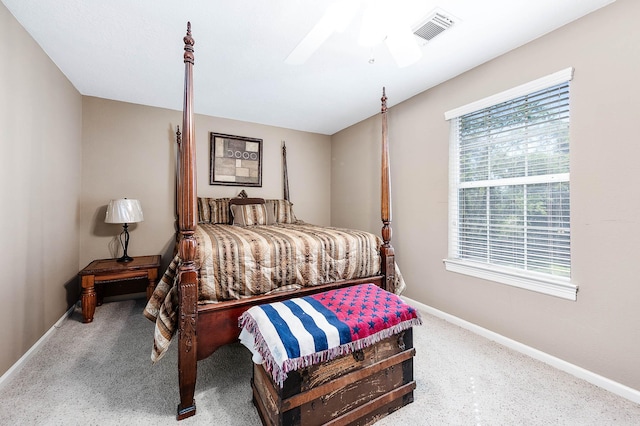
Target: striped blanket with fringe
(296, 333)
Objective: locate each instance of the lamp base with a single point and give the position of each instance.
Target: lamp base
(125, 257)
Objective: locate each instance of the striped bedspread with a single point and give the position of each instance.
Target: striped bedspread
(299, 332)
(237, 262)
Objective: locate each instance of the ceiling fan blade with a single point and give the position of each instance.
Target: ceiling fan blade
(309, 44)
(403, 46)
(335, 19)
(372, 31)
(341, 13)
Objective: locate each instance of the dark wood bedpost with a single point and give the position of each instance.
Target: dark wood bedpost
(285, 173)
(387, 253)
(177, 188)
(187, 219)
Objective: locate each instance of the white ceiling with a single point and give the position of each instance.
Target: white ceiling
(131, 51)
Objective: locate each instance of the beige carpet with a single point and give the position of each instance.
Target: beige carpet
(100, 374)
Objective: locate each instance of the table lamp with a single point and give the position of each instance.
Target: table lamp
(124, 211)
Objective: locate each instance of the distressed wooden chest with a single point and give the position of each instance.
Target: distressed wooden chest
(354, 389)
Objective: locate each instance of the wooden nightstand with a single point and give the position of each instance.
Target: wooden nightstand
(110, 270)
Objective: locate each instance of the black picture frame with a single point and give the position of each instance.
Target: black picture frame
(235, 160)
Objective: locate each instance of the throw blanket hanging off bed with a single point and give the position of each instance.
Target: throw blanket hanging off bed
(304, 331)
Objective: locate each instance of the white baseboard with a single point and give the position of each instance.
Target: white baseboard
(18, 365)
(589, 376)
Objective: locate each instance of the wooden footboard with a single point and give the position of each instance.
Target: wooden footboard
(204, 328)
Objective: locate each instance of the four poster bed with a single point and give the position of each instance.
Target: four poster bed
(203, 293)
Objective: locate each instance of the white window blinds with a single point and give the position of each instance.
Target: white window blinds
(510, 186)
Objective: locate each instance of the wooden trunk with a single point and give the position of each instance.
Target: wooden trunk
(355, 389)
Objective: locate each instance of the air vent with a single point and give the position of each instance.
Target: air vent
(432, 26)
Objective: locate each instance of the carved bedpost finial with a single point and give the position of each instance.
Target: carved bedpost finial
(188, 45)
(384, 101)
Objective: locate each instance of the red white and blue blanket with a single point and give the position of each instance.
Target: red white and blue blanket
(300, 332)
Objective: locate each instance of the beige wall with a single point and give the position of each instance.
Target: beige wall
(40, 139)
(599, 332)
(129, 151)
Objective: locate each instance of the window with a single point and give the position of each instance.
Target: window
(509, 203)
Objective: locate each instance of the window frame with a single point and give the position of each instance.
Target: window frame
(558, 286)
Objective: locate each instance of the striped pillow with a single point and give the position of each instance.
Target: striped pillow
(220, 212)
(214, 210)
(204, 212)
(282, 210)
(251, 214)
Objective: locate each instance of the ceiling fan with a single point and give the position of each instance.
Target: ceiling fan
(391, 23)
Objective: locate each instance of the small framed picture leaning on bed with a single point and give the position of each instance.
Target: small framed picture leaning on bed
(235, 160)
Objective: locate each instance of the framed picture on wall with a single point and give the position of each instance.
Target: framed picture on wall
(235, 160)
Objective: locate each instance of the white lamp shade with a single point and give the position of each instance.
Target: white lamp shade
(124, 210)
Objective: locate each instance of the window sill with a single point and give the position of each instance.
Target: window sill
(559, 287)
